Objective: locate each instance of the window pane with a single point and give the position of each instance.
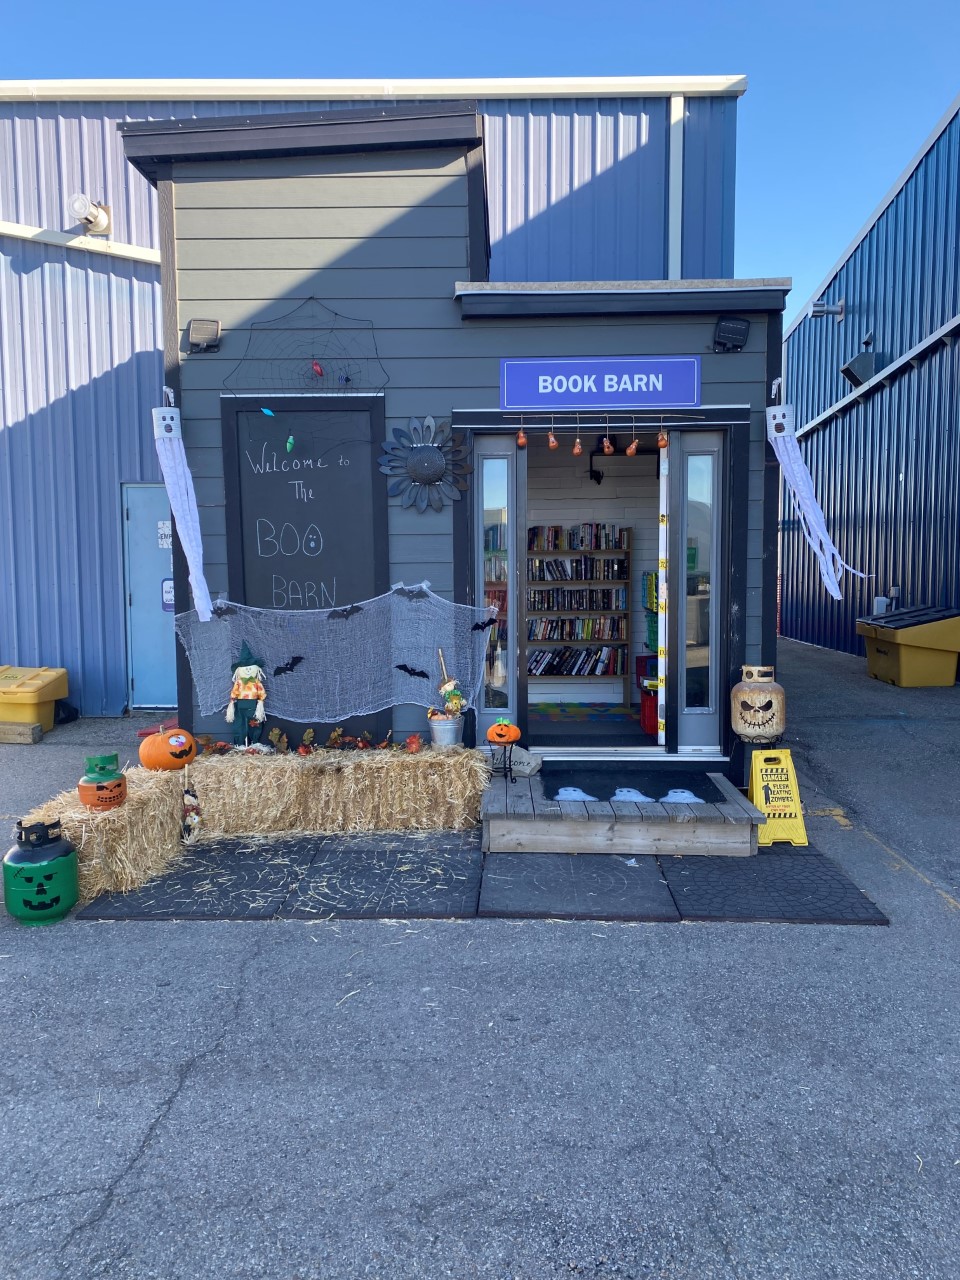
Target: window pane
(496, 580)
(699, 548)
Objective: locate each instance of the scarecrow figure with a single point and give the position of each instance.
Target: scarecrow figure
(246, 710)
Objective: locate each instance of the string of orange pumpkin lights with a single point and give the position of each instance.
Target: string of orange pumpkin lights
(606, 443)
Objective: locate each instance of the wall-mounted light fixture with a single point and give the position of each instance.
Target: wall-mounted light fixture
(731, 333)
(823, 308)
(95, 217)
(204, 335)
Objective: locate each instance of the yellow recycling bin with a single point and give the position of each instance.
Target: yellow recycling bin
(912, 648)
(28, 694)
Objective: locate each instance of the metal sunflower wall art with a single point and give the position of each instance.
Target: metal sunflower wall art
(428, 464)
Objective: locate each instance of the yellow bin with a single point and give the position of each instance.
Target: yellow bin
(912, 648)
(27, 694)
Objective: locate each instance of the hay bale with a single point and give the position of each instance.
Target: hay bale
(122, 848)
(331, 791)
(437, 789)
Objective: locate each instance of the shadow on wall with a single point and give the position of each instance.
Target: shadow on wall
(61, 552)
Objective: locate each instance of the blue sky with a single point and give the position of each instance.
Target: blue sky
(841, 94)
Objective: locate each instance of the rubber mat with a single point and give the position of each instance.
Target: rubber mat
(602, 780)
(771, 888)
(584, 886)
(411, 878)
(404, 876)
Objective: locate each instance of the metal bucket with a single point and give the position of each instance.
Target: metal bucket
(447, 733)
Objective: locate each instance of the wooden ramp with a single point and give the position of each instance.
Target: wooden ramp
(518, 818)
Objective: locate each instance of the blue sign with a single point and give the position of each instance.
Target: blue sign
(601, 382)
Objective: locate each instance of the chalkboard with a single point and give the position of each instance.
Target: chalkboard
(306, 524)
(305, 501)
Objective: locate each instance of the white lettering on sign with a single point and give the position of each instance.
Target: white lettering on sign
(288, 542)
(289, 593)
(633, 382)
(267, 463)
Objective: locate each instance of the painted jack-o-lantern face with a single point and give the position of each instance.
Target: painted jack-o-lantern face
(760, 714)
(171, 750)
(41, 892)
(503, 732)
(103, 795)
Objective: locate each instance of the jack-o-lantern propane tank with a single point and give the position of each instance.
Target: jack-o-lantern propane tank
(40, 882)
(758, 706)
(173, 749)
(103, 786)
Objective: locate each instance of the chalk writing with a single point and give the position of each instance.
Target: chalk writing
(293, 593)
(288, 542)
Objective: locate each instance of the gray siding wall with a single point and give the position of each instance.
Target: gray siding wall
(382, 239)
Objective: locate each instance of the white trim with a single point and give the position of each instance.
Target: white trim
(881, 208)
(330, 90)
(913, 356)
(87, 244)
(675, 190)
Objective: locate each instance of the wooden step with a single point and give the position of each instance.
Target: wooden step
(519, 818)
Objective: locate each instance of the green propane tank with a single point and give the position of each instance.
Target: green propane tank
(40, 874)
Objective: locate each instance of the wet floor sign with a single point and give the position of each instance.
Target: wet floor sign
(774, 791)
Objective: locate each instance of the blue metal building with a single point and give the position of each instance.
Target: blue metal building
(617, 180)
(875, 378)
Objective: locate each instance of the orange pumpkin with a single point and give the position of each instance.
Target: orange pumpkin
(503, 732)
(170, 750)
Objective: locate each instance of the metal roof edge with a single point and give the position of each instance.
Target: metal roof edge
(619, 286)
(881, 208)
(290, 90)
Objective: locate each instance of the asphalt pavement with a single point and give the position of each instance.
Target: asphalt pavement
(510, 1099)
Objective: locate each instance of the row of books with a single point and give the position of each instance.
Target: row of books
(577, 629)
(576, 600)
(649, 587)
(605, 661)
(495, 537)
(608, 568)
(495, 569)
(578, 537)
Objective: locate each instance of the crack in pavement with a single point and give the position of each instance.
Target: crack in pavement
(183, 1072)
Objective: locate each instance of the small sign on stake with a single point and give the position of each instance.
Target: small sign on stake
(774, 791)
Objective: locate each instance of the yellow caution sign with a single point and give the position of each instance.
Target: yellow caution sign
(774, 790)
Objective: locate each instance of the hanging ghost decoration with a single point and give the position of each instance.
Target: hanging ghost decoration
(782, 434)
(183, 499)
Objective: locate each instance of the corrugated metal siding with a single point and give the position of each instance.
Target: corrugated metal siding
(79, 373)
(887, 472)
(577, 189)
(709, 184)
(901, 283)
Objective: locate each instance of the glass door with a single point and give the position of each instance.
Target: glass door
(696, 588)
(495, 540)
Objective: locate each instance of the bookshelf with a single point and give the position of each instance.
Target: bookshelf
(577, 597)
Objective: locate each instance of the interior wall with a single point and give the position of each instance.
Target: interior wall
(560, 491)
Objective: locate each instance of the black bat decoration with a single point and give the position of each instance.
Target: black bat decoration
(345, 613)
(412, 671)
(413, 593)
(222, 609)
(482, 626)
(288, 666)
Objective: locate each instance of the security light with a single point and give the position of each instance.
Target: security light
(731, 333)
(204, 335)
(95, 217)
(822, 308)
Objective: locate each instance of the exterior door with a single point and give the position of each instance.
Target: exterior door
(497, 566)
(696, 589)
(148, 583)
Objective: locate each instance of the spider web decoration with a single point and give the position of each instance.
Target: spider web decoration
(285, 353)
(322, 666)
